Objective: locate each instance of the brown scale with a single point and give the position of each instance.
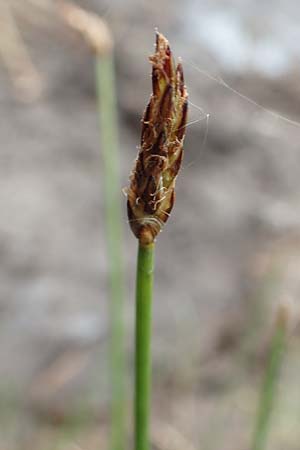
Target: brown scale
(151, 192)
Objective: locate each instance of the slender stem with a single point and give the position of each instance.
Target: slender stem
(144, 287)
(105, 82)
(268, 392)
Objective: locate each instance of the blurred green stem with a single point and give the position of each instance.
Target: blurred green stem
(144, 287)
(268, 391)
(105, 81)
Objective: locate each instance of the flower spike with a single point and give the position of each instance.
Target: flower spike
(151, 192)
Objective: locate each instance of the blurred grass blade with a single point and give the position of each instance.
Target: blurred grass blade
(14, 55)
(98, 37)
(108, 125)
(268, 392)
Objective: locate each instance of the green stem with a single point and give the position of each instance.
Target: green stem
(105, 83)
(268, 392)
(144, 287)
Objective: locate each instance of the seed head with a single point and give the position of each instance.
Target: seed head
(151, 193)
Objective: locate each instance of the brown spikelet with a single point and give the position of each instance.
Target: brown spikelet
(151, 192)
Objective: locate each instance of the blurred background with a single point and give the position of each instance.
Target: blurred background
(228, 257)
